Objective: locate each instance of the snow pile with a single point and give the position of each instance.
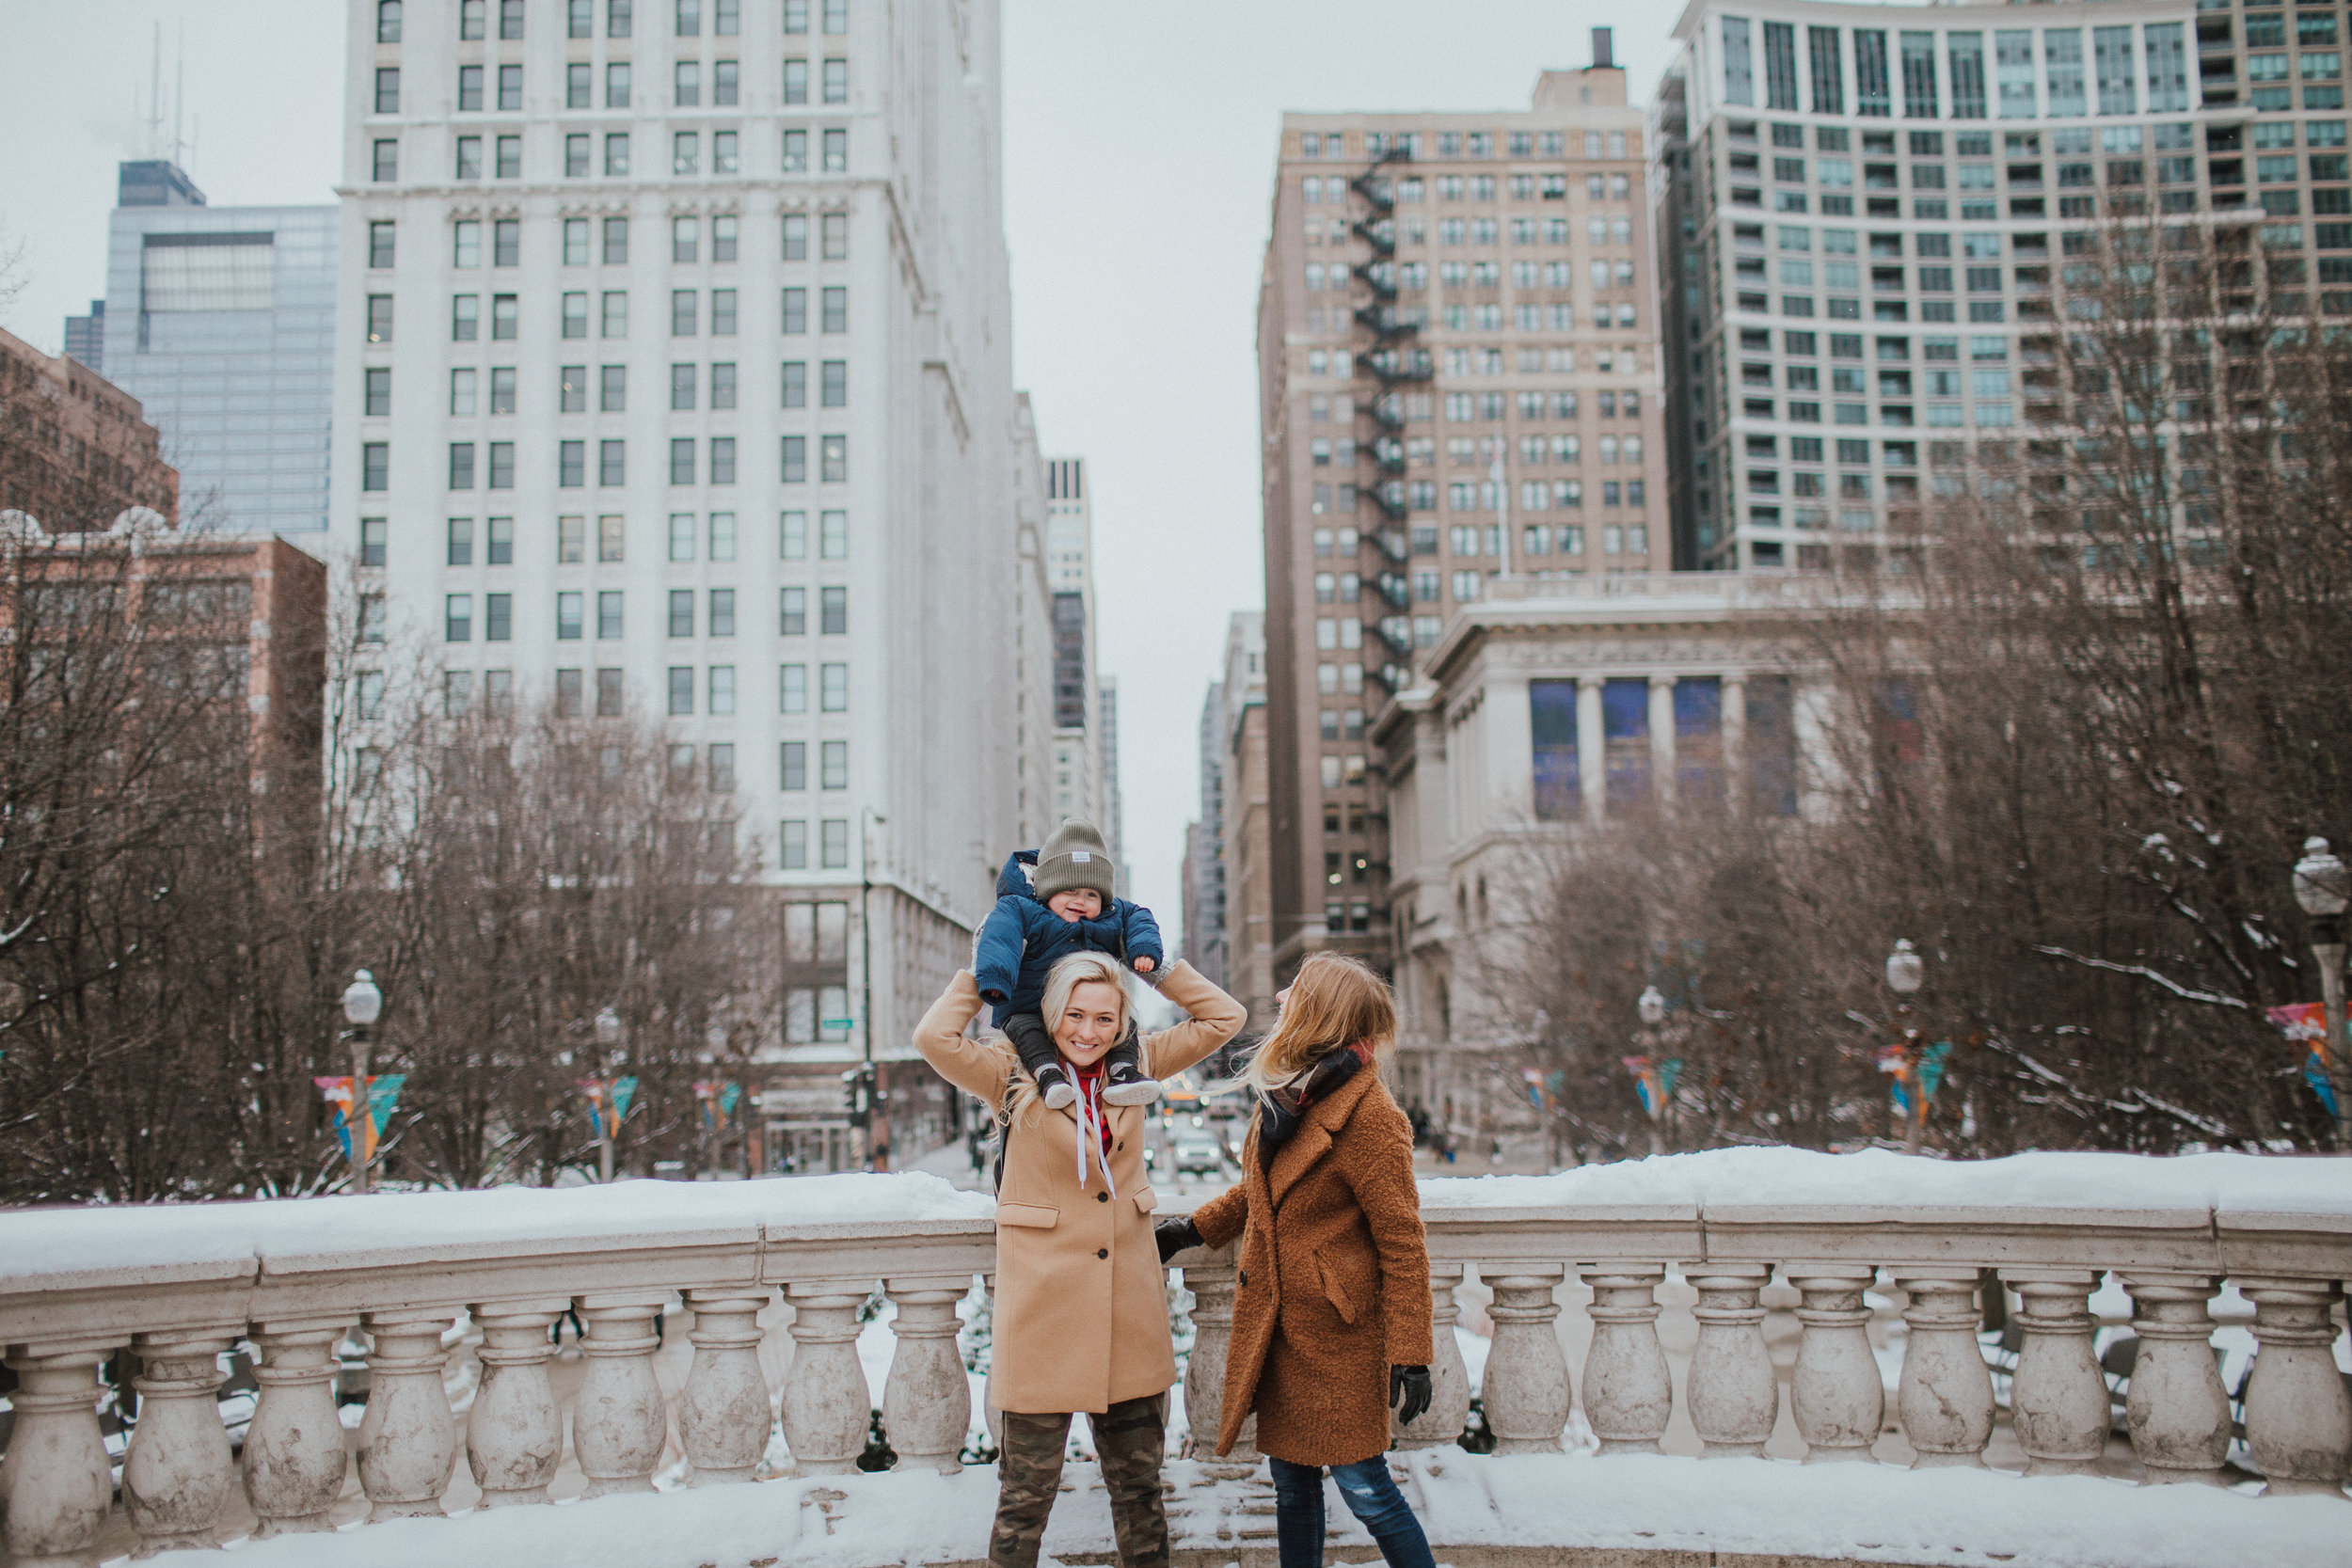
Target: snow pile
(1743, 1177)
(1471, 1507)
(220, 1240)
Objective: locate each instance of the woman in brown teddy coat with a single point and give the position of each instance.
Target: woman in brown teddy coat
(1331, 1319)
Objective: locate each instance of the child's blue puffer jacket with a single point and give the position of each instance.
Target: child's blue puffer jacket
(1022, 940)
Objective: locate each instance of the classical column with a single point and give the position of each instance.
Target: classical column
(1212, 1286)
(1733, 1393)
(408, 1442)
(619, 1422)
(1735, 743)
(55, 1479)
(827, 1408)
(2178, 1412)
(2057, 1396)
(1661, 739)
(1836, 1395)
(2298, 1421)
(1945, 1399)
(927, 1398)
(722, 1412)
(1507, 794)
(1628, 1392)
(294, 1462)
(1592, 748)
(1449, 1376)
(514, 1431)
(178, 1471)
(1526, 1393)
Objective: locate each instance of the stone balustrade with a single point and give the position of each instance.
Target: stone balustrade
(180, 1286)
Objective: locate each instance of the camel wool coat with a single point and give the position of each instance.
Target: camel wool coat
(1334, 1280)
(1081, 1313)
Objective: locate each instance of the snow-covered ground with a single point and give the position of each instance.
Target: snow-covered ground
(1765, 1508)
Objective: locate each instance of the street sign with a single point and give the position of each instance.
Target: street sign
(838, 1023)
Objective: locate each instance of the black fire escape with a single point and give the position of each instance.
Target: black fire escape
(1392, 358)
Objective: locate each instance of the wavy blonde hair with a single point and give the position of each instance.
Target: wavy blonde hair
(1024, 1104)
(1335, 1002)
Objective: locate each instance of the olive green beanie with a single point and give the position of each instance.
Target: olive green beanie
(1073, 858)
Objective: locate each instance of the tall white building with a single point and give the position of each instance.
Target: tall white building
(1079, 781)
(672, 378)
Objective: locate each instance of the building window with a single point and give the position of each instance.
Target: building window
(609, 617)
(837, 689)
(461, 465)
(470, 157)
(387, 21)
(457, 618)
(795, 312)
(379, 318)
(568, 695)
(836, 236)
(723, 460)
(722, 607)
(722, 385)
(836, 152)
(385, 168)
(835, 620)
(380, 244)
(615, 323)
(502, 465)
(373, 534)
(505, 317)
(497, 617)
(510, 87)
(686, 153)
(571, 463)
(388, 89)
(835, 457)
(681, 690)
(796, 152)
(615, 241)
(836, 81)
(792, 688)
(608, 693)
(793, 767)
(612, 392)
(723, 313)
(616, 152)
(379, 391)
(795, 468)
(682, 460)
(792, 618)
(792, 845)
(682, 382)
(837, 309)
(835, 755)
(684, 312)
(611, 462)
(503, 390)
(576, 313)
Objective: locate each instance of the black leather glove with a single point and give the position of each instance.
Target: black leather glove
(1408, 1392)
(1174, 1235)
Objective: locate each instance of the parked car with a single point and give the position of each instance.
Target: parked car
(1198, 1156)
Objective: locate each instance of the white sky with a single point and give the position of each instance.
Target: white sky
(1139, 140)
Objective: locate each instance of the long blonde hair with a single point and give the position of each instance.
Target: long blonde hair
(1024, 1104)
(1336, 1002)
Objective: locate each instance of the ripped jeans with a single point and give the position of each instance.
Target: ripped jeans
(1371, 1495)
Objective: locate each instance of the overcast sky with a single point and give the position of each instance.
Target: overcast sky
(1139, 143)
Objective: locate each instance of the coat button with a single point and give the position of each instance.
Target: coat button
(1245, 1277)
(1102, 1252)
(1102, 1197)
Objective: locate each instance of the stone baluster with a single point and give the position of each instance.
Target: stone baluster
(515, 1433)
(993, 1417)
(2057, 1396)
(827, 1407)
(1945, 1399)
(2298, 1420)
(927, 1398)
(56, 1480)
(178, 1471)
(619, 1422)
(722, 1412)
(1836, 1396)
(294, 1461)
(1213, 1286)
(1449, 1376)
(408, 1442)
(1734, 1395)
(2178, 1414)
(1628, 1392)
(1526, 1393)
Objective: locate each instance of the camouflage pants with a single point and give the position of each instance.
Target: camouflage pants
(1129, 1438)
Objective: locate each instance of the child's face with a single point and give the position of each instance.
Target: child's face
(1077, 903)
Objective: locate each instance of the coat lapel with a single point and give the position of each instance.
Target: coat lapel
(1306, 1145)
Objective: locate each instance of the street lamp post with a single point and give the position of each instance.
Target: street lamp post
(608, 1039)
(1904, 972)
(868, 816)
(1652, 1006)
(363, 1003)
(2322, 888)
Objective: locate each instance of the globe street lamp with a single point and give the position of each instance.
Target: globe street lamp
(608, 1041)
(2322, 887)
(363, 1003)
(1651, 1071)
(1904, 973)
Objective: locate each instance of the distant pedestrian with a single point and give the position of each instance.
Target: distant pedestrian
(1081, 1317)
(1332, 1316)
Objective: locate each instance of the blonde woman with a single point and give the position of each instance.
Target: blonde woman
(1331, 1322)
(1081, 1314)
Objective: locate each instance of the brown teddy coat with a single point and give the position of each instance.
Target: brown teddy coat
(1081, 1311)
(1334, 1286)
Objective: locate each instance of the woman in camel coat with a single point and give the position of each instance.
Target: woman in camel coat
(1081, 1312)
(1331, 1317)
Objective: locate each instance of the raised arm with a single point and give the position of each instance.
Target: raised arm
(1215, 1019)
(1140, 937)
(976, 1068)
(997, 956)
(1375, 1157)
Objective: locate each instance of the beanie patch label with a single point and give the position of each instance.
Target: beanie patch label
(1081, 857)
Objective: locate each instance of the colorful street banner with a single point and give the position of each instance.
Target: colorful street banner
(608, 1102)
(1894, 1061)
(383, 1099)
(717, 1101)
(2307, 1022)
(1653, 1081)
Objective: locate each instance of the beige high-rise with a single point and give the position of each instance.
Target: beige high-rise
(1458, 383)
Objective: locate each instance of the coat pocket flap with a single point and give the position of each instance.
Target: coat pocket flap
(1147, 1200)
(1341, 1300)
(1035, 1215)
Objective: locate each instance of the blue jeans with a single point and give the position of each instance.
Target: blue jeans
(1371, 1495)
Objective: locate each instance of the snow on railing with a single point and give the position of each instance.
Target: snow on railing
(179, 1285)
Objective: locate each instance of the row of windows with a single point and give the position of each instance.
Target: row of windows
(579, 151)
(494, 462)
(1485, 232)
(1957, 74)
(1412, 277)
(611, 315)
(1464, 452)
(685, 240)
(727, 18)
(686, 388)
(1460, 144)
(475, 87)
(1316, 191)
(571, 609)
(1488, 318)
(571, 538)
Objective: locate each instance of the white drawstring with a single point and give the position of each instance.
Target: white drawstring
(1090, 1129)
